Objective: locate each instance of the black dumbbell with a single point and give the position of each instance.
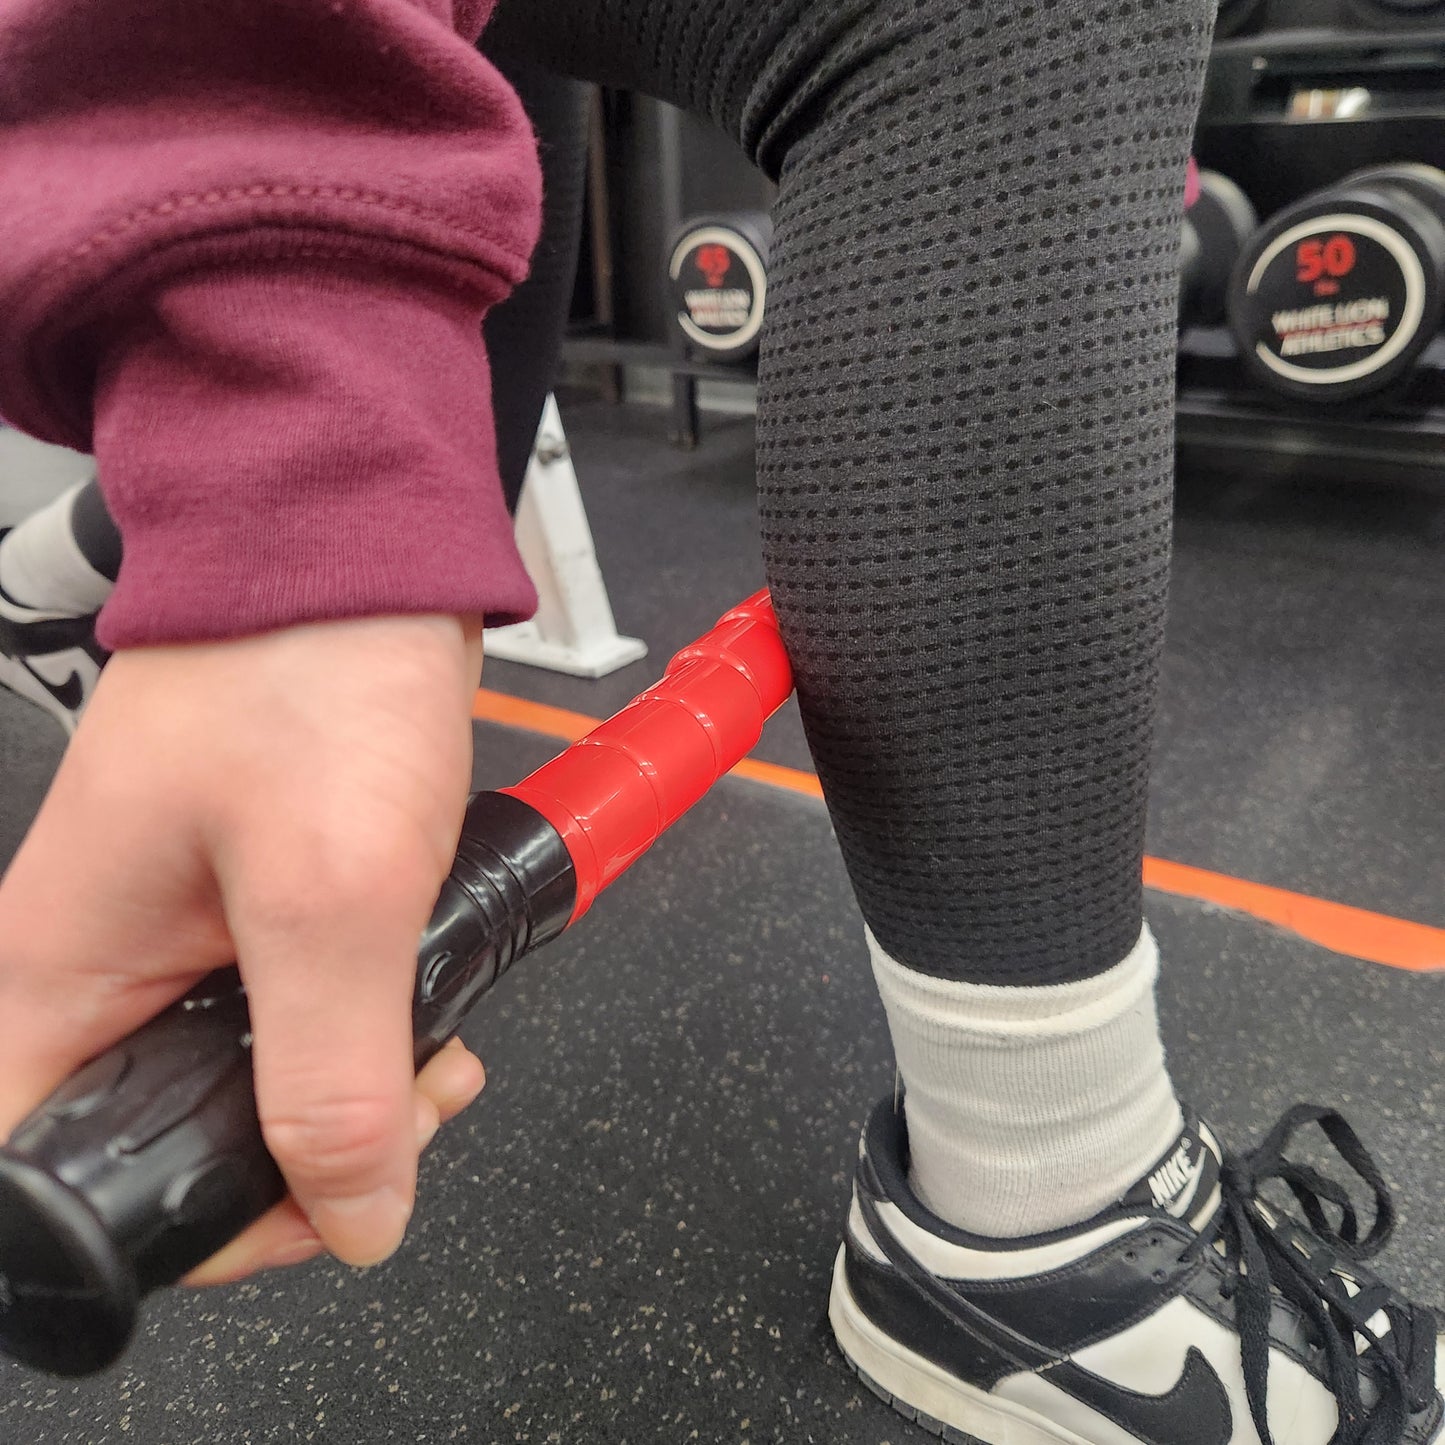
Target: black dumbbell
(1216, 229)
(718, 269)
(1338, 295)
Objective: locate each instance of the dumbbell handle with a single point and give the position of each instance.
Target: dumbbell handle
(151, 1158)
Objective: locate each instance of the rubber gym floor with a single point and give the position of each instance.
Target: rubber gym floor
(629, 1238)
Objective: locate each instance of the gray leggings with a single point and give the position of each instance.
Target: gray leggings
(965, 425)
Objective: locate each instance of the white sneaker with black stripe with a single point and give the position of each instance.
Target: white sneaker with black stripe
(50, 658)
(1192, 1312)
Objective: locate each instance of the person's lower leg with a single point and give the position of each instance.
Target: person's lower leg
(524, 334)
(965, 450)
(964, 455)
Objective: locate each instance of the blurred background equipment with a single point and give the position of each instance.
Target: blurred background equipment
(1252, 17)
(1312, 265)
(1329, 116)
(718, 268)
(1216, 229)
(1340, 294)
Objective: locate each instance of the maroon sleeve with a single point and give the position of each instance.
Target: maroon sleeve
(245, 250)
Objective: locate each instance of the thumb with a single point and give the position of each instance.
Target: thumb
(330, 977)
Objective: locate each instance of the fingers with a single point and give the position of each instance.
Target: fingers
(326, 901)
(278, 1239)
(326, 935)
(448, 1084)
(330, 994)
(106, 916)
(291, 801)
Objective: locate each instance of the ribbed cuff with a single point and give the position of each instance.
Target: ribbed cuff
(301, 442)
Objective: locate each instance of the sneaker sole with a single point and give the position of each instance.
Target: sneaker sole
(19, 681)
(921, 1391)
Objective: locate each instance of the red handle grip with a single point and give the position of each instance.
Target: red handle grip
(612, 794)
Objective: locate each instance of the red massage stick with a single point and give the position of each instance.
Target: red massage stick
(150, 1159)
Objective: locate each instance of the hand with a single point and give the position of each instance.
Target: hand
(291, 802)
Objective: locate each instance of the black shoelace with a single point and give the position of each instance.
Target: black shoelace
(1265, 1251)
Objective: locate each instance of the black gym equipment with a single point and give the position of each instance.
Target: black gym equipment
(1338, 296)
(1391, 13)
(1262, 17)
(718, 270)
(1216, 229)
(1286, 114)
(1236, 15)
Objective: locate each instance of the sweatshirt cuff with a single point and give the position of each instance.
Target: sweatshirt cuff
(297, 443)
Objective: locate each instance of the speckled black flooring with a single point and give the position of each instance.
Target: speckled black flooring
(629, 1238)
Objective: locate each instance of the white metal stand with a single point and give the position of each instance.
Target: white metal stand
(574, 630)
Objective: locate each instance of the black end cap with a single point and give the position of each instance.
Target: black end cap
(68, 1298)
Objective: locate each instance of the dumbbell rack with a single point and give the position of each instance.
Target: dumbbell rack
(1226, 423)
(685, 371)
(1259, 127)
(1381, 99)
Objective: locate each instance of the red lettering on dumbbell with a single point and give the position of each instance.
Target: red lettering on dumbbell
(1340, 256)
(714, 262)
(1318, 259)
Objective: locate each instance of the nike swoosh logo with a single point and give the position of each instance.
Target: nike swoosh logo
(1185, 1197)
(69, 694)
(1195, 1412)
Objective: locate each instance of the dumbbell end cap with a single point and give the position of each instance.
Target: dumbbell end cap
(68, 1297)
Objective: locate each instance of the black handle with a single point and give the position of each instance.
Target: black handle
(150, 1159)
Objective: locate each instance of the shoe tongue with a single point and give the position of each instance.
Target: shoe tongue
(1184, 1182)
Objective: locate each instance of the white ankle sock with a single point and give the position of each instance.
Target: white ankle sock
(42, 566)
(1030, 1109)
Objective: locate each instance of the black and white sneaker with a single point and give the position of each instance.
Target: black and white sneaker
(1192, 1312)
(50, 658)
